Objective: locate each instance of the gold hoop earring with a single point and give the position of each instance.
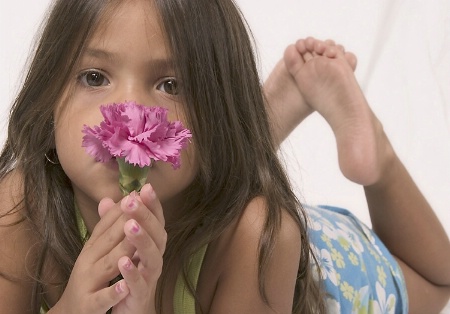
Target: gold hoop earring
(52, 158)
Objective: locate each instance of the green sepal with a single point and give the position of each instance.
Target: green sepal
(131, 177)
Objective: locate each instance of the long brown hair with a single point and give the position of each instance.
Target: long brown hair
(225, 108)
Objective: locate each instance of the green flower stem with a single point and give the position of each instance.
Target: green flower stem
(131, 177)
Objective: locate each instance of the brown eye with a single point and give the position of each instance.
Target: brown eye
(93, 78)
(169, 86)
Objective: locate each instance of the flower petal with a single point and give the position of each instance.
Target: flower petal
(136, 155)
(138, 133)
(94, 144)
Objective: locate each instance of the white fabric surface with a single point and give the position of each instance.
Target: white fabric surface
(403, 49)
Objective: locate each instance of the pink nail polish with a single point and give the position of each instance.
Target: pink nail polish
(131, 201)
(127, 264)
(119, 288)
(135, 228)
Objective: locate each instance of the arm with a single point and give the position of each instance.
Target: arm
(237, 257)
(16, 241)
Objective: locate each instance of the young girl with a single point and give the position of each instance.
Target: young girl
(230, 195)
(226, 225)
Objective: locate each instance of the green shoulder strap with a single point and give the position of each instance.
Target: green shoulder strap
(183, 300)
(81, 226)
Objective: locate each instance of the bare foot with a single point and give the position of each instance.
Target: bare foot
(287, 107)
(325, 79)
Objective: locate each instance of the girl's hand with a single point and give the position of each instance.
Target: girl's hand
(132, 229)
(88, 289)
(144, 229)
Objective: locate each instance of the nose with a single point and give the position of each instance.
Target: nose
(132, 90)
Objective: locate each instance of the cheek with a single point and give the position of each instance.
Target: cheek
(68, 140)
(68, 147)
(90, 180)
(169, 183)
(71, 155)
(69, 122)
(67, 136)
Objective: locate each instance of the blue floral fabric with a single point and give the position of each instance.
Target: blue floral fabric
(357, 271)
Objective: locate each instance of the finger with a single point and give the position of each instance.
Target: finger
(105, 268)
(111, 212)
(104, 205)
(108, 297)
(134, 279)
(133, 207)
(150, 256)
(148, 213)
(108, 241)
(106, 235)
(150, 199)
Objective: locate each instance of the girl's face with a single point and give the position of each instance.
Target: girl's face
(126, 60)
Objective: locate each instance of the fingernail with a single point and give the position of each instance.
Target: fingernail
(127, 264)
(131, 202)
(135, 227)
(119, 287)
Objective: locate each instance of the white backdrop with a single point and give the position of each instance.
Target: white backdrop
(403, 49)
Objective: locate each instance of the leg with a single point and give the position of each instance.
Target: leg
(400, 215)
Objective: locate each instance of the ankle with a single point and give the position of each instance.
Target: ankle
(388, 160)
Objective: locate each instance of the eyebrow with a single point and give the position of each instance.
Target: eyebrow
(99, 54)
(162, 65)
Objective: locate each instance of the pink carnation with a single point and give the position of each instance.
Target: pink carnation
(137, 133)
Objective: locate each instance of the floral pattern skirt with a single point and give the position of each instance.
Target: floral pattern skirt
(357, 271)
